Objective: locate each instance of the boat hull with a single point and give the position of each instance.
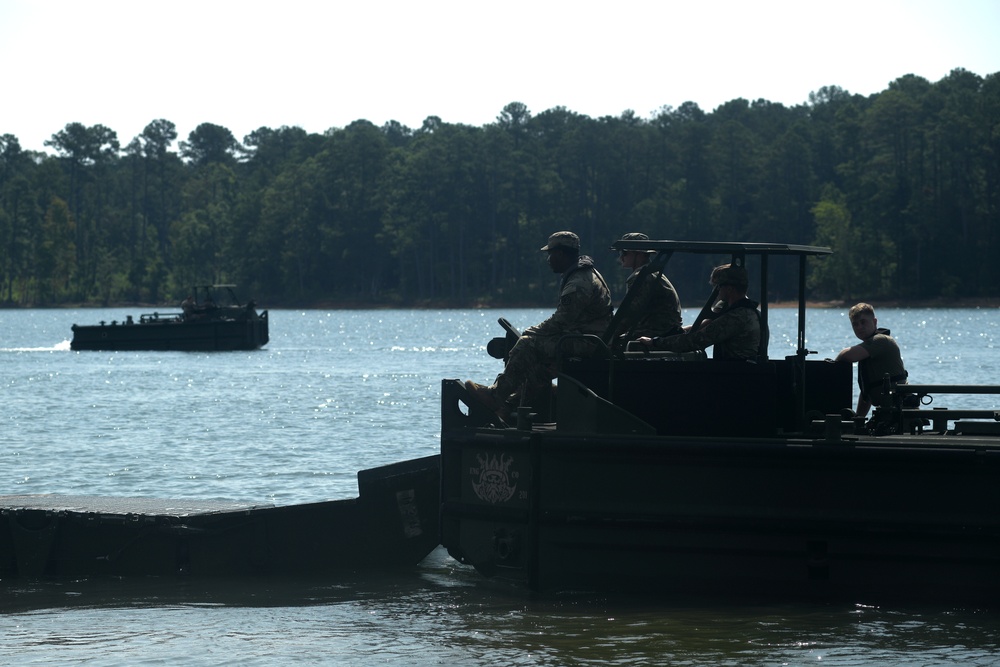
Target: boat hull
(246, 333)
(393, 523)
(862, 518)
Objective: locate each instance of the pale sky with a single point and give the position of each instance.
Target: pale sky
(320, 64)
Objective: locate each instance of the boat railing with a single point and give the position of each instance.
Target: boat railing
(940, 417)
(921, 390)
(148, 318)
(903, 412)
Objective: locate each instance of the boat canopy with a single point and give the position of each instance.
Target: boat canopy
(218, 295)
(738, 251)
(722, 247)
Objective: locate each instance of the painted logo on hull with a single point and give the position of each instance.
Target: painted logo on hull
(491, 481)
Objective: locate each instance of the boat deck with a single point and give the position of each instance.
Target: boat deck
(392, 523)
(121, 506)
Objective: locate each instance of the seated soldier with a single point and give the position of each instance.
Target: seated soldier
(584, 308)
(653, 307)
(733, 332)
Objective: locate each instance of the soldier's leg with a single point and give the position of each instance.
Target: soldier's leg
(522, 366)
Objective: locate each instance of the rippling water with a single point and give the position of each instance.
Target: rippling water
(338, 391)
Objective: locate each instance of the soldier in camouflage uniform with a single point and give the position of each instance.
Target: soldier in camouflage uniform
(654, 309)
(584, 307)
(733, 333)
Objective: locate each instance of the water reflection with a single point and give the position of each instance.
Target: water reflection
(444, 613)
(335, 392)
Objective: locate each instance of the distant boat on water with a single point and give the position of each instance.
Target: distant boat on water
(211, 319)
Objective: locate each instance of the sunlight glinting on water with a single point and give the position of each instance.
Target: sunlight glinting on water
(336, 392)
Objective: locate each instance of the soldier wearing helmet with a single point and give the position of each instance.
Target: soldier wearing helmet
(732, 333)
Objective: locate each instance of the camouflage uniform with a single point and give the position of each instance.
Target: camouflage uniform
(584, 307)
(653, 310)
(734, 334)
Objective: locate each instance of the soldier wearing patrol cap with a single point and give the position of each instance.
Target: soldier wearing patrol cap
(563, 240)
(584, 308)
(734, 332)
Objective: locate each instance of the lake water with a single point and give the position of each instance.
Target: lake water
(338, 391)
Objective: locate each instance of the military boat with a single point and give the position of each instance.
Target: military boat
(683, 475)
(393, 523)
(210, 319)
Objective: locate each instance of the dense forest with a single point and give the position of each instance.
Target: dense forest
(904, 185)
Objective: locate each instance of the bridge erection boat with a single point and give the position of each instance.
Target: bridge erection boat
(687, 475)
(211, 319)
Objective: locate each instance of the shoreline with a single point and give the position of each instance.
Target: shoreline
(942, 303)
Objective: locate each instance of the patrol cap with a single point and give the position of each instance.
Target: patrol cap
(563, 239)
(636, 236)
(727, 274)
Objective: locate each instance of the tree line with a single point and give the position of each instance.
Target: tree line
(904, 185)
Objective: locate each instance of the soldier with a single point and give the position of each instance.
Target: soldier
(733, 333)
(877, 355)
(654, 309)
(584, 308)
